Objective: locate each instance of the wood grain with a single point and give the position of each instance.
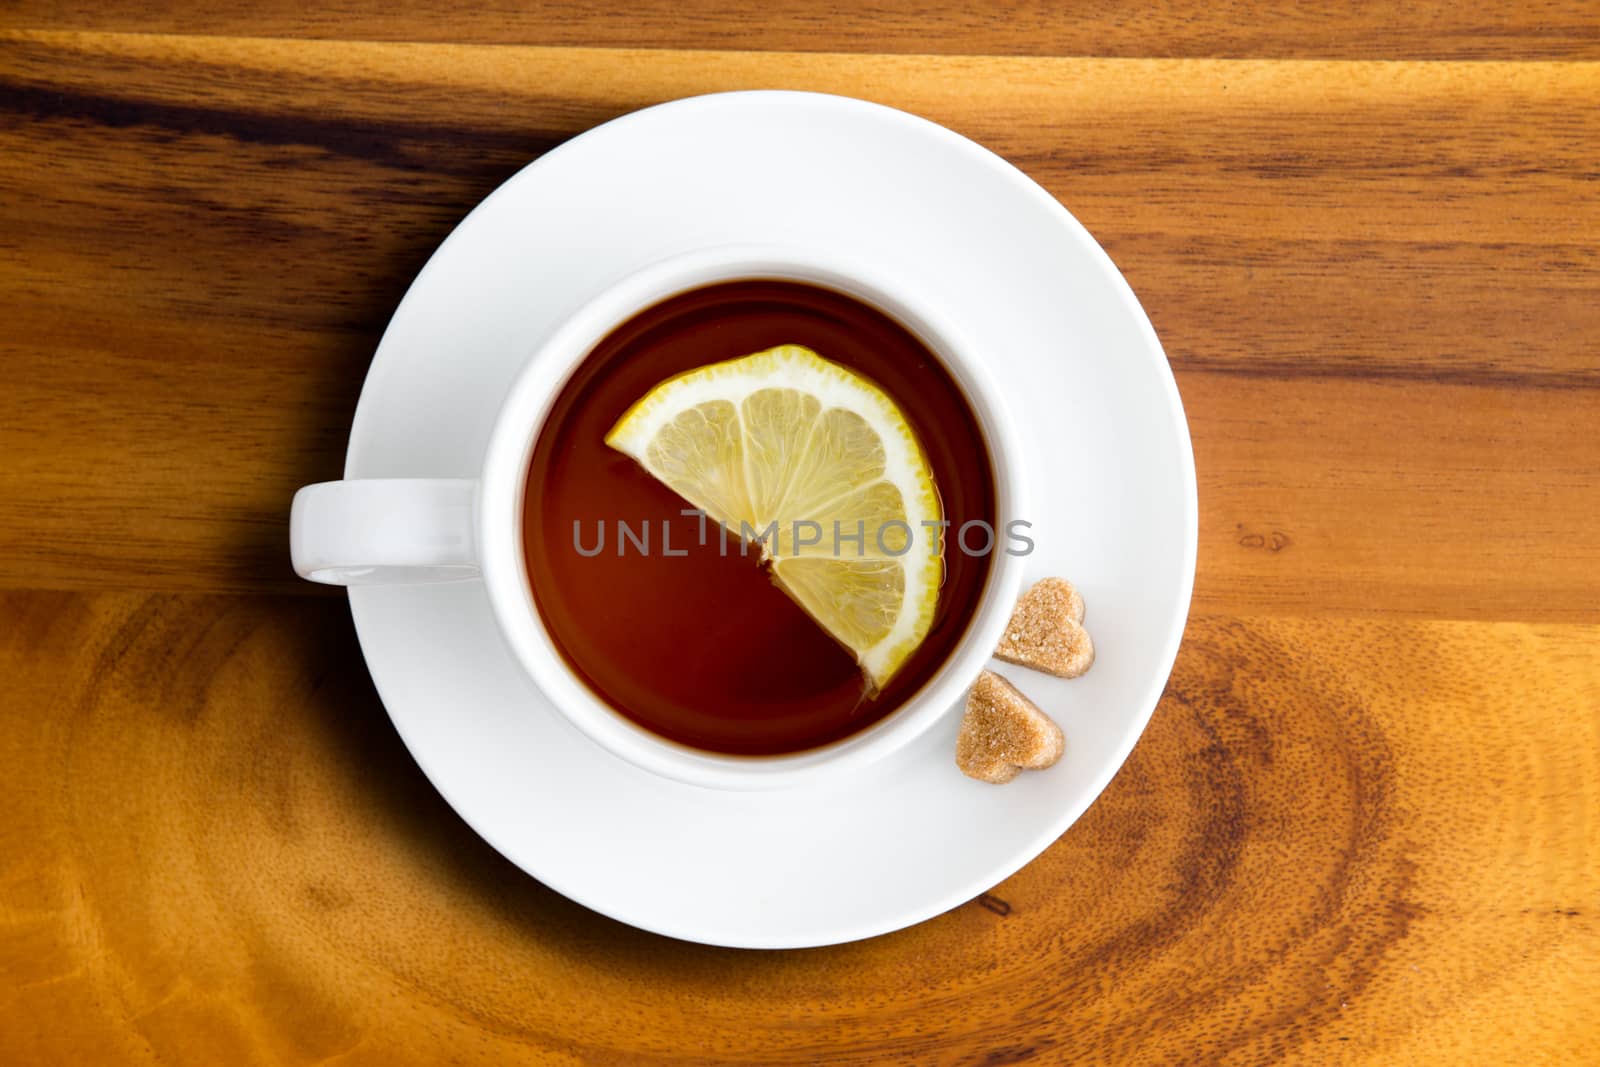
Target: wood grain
(1376, 281)
(1427, 29)
(1353, 833)
(216, 850)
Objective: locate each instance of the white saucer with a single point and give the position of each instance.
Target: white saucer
(1114, 491)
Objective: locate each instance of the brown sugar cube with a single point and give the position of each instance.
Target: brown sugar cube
(1046, 631)
(1003, 732)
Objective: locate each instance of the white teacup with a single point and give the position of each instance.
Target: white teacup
(405, 530)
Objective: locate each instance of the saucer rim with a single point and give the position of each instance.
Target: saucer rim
(1174, 626)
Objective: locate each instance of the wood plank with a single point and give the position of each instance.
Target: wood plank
(1354, 842)
(1429, 29)
(1376, 282)
(1399, 498)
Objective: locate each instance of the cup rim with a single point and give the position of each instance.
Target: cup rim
(503, 486)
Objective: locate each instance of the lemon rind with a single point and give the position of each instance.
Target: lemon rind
(798, 367)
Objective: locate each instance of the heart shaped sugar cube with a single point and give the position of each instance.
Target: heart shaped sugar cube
(1003, 733)
(1046, 631)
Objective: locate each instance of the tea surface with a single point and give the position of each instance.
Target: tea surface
(702, 647)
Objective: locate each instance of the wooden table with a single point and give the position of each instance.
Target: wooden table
(1364, 824)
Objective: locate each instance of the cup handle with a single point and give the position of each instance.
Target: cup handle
(385, 531)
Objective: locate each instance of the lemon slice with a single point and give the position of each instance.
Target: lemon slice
(788, 450)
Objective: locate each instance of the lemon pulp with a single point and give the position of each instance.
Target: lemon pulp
(818, 466)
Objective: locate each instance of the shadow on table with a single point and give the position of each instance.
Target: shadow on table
(363, 738)
(334, 339)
